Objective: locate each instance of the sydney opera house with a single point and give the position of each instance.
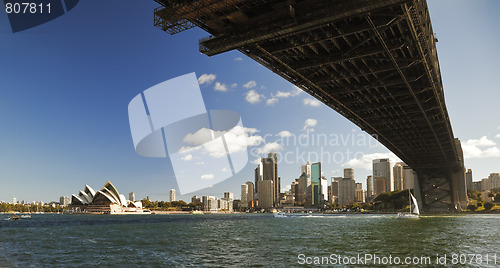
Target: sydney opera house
(105, 201)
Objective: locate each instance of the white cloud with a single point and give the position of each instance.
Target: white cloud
(238, 59)
(253, 97)
(285, 94)
(237, 140)
(224, 169)
(471, 148)
(483, 141)
(271, 101)
(250, 84)
(269, 147)
(207, 177)
(187, 157)
(497, 136)
(220, 87)
(365, 161)
(233, 85)
(312, 102)
(257, 161)
(285, 134)
(310, 124)
(200, 163)
(206, 79)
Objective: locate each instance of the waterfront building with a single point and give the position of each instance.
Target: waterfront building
(105, 201)
(64, 201)
(409, 177)
(468, 180)
(382, 169)
(244, 195)
(270, 172)
(369, 186)
(195, 199)
(315, 185)
(476, 186)
(347, 191)
(131, 196)
(360, 193)
(266, 188)
(380, 185)
(172, 195)
(14, 201)
(209, 203)
(349, 173)
(397, 171)
(301, 189)
(494, 181)
(250, 196)
(324, 190)
(306, 169)
(258, 173)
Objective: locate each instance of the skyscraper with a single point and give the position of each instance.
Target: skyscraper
(349, 173)
(266, 194)
(382, 169)
(335, 188)
(468, 180)
(270, 172)
(324, 189)
(380, 185)
(398, 176)
(172, 195)
(131, 196)
(347, 191)
(306, 169)
(301, 190)
(244, 195)
(369, 186)
(409, 177)
(250, 196)
(258, 176)
(360, 193)
(315, 183)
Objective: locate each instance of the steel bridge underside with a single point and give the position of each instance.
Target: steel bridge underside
(372, 61)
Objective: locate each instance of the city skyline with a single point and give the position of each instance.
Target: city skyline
(65, 101)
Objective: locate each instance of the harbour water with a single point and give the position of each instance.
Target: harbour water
(253, 240)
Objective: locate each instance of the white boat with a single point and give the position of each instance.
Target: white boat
(413, 214)
(280, 215)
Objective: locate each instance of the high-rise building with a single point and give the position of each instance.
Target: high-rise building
(382, 169)
(369, 186)
(258, 177)
(468, 180)
(398, 176)
(324, 189)
(172, 195)
(335, 188)
(270, 172)
(315, 184)
(380, 184)
(14, 200)
(360, 193)
(347, 191)
(494, 181)
(244, 195)
(250, 196)
(131, 196)
(266, 188)
(349, 173)
(64, 200)
(301, 189)
(229, 195)
(409, 177)
(209, 203)
(306, 169)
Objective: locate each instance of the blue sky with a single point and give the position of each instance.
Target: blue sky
(66, 86)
